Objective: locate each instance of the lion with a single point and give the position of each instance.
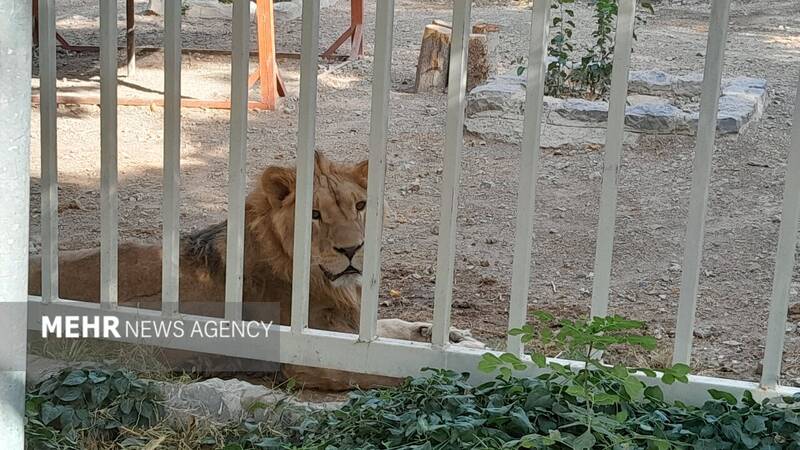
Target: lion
(337, 246)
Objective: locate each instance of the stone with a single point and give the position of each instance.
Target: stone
(649, 82)
(690, 85)
(505, 93)
(652, 117)
(583, 110)
(287, 11)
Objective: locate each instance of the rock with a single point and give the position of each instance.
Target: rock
(155, 7)
(287, 11)
(71, 204)
(690, 85)
(584, 110)
(705, 332)
(794, 310)
(208, 9)
(505, 93)
(650, 82)
(652, 117)
(733, 343)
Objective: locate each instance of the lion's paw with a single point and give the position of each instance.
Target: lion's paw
(462, 338)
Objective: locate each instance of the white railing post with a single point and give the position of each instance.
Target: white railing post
(623, 43)
(170, 268)
(15, 126)
(454, 141)
(701, 176)
(49, 166)
(304, 194)
(109, 198)
(379, 125)
(784, 260)
(234, 255)
(528, 172)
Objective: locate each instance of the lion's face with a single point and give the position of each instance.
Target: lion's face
(337, 230)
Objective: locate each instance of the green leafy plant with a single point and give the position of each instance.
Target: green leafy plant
(61, 407)
(595, 405)
(587, 75)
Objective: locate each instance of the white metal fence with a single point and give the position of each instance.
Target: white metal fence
(365, 352)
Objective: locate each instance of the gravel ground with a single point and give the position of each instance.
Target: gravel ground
(655, 180)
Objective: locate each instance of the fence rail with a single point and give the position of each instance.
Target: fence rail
(366, 352)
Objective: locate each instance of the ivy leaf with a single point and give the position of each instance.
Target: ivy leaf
(724, 396)
(49, 412)
(633, 387)
(539, 359)
(756, 424)
(75, 378)
(654, 392)
(585, 441)
(68, 394)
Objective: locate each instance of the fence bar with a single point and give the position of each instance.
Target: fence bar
(240, 62)
(170, 268)
(109, 198)
(784, 260)
(304, 195)
(49, 149)
(528, 172)
(454, 140)
(379, 125)
(614, 136)
(15, 131)
(701, 175)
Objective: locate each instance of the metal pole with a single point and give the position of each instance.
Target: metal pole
(15, 127)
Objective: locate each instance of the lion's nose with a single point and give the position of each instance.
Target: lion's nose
(349, 251)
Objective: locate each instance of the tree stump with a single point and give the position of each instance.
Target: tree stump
(477, 60)
(434, 59)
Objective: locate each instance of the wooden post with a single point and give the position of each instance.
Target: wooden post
(434, 59)
(130, 38)
(267, 68)
(357, 22)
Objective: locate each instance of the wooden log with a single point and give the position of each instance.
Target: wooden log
(478, 65)
(434, 59)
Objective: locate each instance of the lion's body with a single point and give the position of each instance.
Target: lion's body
(267, 265)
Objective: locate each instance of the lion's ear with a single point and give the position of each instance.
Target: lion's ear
(278, 183)
(360, 172)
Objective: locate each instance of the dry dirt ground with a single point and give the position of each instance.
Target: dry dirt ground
(745, 198)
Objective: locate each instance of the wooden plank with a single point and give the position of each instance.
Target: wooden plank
(72, 99)
(306, 142)
(378, 130)
(170, 266)
(701, 176)
(454, 141)
(528, 171)
(784, 260)
(237, 163)
(267, 68)
(109, 199)
(614, 137)
(130, 38)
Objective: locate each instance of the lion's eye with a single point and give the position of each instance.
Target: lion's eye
(315, 214)
(361, 205)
